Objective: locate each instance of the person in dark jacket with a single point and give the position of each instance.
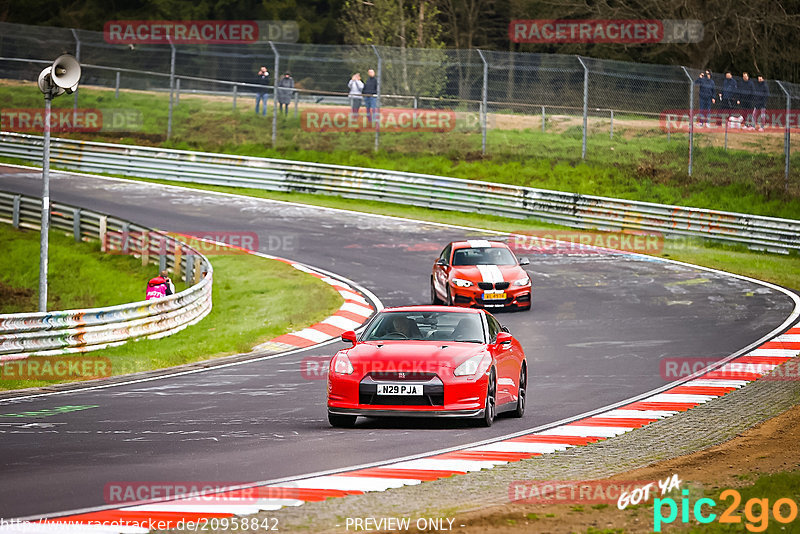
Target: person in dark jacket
(706, 90)
(760, 96)
(745, 100)
(285, 92)
(729, 93)
(262, 79)
(370, 92)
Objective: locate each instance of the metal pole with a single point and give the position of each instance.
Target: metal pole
(45, 227)
(296, 98)
(116, 87)
(484, 94)
(177, 91)
(171, 89)
(691, 119)
(544, 118)
(787, 137)
(585, 104)
(78, 59)
(611, 132)
(235, 88)
(275, 95)
(378, 99)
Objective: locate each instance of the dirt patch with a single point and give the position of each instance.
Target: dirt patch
(15, 298)
(768, 448)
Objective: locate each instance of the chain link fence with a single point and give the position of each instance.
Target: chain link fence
(488, 102)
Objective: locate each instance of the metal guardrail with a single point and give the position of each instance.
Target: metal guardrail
(70, 331)
(570, 209)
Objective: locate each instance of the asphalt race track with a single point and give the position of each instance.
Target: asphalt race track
(600, 324)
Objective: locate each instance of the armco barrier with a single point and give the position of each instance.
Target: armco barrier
(581, 211)
(62, 332)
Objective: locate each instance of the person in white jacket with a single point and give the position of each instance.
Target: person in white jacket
(356, 87)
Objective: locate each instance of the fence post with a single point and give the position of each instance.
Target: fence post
(544, 118)
(235, 89)
(585, 104)
(177, 259)
(296, 98)
(611, 131)
(275, 95)
(78, 59)
(146, 248)
(171, 89)
(787, 137)
(76, 224)
(162, 258)
(177, 91)
(15, 211)
(102, 233)
(484, 95)
(378, 99)
(197, 270)
(116, 86)
(691, 119)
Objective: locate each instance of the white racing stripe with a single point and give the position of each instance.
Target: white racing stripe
(435, 464)
(780, 353)
(312, 335)
(479, 243)
(679, 397)
(491, 273)
(356, 308)
(638, 414)
(342, 322)
(791, 338)
(715, 383)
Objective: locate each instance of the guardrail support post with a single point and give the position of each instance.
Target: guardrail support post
(691, 120)
(189, 268)
(611, 130)
(103, 233)
(275, 78)
(235, 89)
(178, 269)
(146, 248)
(379, 75)
(484, 95)
(126, 230)
(76, 224)
(296, 99)
(15, 211)
(585, 104)
(162, 260)
(787, 137)
(544, 119)
(197, 270)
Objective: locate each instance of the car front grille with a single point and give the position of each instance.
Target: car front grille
(432, 390)
(490, 285)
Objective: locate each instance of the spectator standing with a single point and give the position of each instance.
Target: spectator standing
(760, 96)
(170, 285)
(285, 92)
(706, 92)
(729, 92)
(745, 100)
(371, 96)
(262, 93)
(356, 90)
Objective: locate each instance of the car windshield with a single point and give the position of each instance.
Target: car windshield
(483, 256)
(427, 326)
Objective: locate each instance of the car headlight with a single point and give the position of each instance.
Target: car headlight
(341, 364)
(461, 282)
(521, 282)
(475, 366)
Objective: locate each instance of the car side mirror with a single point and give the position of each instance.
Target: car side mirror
(441, 261)
(349, 336)
(504, 328)
(504, 338)
(524, 261)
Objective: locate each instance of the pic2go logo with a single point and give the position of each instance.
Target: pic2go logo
(756, 511)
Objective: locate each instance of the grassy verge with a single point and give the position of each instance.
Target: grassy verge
(783, 270)
(267, 298)
(639, 163)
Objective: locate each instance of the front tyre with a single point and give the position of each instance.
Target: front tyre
(342, 421)
(521, 392)
(435, 300)
(490, 408)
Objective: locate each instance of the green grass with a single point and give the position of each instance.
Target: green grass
(79, 275)
(637, 164)
(275, 299)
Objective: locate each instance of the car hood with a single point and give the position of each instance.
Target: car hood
(411, 356)
(489, 273)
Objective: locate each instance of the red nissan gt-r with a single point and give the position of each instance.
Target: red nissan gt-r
(479, 273)
(429, 361)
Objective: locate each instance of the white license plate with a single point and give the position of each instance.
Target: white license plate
(494, 296)
(399, 389)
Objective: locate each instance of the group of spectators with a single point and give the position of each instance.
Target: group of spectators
(743, 103)
(285, 91)
(368, 89)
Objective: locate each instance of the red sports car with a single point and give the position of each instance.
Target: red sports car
(480, 273)
(430, 361)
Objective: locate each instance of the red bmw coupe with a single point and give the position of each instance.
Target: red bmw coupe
(479, 273)
(429, 361)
